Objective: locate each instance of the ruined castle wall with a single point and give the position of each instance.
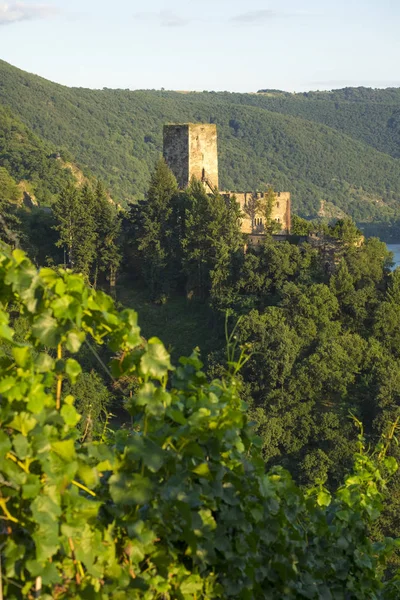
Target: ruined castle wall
(282, 210)
(253, 221)
(203, 154)
(176, 152)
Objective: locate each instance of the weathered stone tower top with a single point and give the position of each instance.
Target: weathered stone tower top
(190, 150)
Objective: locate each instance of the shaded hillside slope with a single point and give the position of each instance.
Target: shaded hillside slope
(117, 134)
(29, 160)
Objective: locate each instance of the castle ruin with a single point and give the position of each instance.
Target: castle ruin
(190, 150)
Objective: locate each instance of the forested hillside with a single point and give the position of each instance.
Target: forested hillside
(29, 161)
(367, 115)
(326, 148)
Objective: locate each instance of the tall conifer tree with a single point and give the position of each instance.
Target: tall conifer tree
(108, 225)
(211, 242)
(74, 212)
(155, 231)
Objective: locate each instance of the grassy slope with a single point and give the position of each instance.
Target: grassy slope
(184, 324)
(117, 135)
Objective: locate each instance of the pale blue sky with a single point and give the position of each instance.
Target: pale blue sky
(236, 45)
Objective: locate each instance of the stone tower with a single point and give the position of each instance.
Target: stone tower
(190, 150)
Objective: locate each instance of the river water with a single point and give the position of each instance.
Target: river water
(395, 248)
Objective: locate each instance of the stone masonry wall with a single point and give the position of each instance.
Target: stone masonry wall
(203, 154)
(190, 150)
(176, 152)
(253, 222)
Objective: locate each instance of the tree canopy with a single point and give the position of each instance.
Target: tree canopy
(180, 505)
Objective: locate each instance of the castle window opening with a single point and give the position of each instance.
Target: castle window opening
(277, 205)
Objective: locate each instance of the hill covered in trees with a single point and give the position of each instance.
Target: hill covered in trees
(27, 160)
(368, 115)
(340, 148)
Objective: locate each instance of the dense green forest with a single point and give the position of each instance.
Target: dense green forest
(365, 114)
(320, 326)
(178, 505)
(340, 148)
(29, 161)
(130, 469)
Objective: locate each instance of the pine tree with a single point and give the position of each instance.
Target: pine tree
(253, 208)
(155, 231)
(85, 252)
(66, 210)
(227, 245)
(271, 226)
(108, 225)
(196, 242)
(211, 242)
(74, 214)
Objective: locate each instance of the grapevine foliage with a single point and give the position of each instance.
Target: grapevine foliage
(179, 506)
